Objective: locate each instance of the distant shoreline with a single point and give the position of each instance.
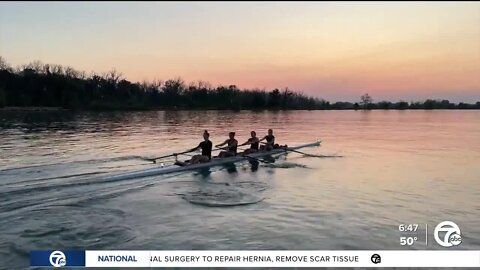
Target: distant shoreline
(46, 87)
(60, 109)
(33, 109)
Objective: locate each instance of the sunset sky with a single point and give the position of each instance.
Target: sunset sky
(332, 50)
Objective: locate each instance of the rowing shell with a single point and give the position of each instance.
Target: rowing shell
(213, 162)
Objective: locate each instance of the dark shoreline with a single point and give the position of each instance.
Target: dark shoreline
(33, 109)
(59, 109)
(45, 87)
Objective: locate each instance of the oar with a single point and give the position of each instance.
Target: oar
(171, 155)
(306, 154)
(226, 148)
(247, 156)
(311, 155)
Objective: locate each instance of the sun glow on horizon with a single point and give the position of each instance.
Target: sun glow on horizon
(336, 51)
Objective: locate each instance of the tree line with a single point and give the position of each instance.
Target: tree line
(45, 85)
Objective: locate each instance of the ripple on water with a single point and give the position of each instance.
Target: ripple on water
(221, 199)
(235, 194)
(62, 227)
(71, 227)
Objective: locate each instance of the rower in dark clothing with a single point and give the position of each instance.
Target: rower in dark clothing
(270, 144)
(253, 141)
(231, 149)
(206, 155)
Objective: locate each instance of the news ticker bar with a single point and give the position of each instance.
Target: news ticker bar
(307, 258)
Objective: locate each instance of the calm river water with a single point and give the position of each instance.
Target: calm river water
(396, 167)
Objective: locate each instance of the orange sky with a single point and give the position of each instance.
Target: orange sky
(334, 50)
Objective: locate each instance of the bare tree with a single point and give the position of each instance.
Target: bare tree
(367, 100)
(204, 85)
(37, 66)
(71, 72)
(159, 85)
(4, 65)
(57, 69)
(113, 76)
(46, 69)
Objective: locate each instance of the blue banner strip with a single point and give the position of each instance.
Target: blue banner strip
(57, 258)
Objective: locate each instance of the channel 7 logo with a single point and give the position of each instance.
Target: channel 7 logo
(451, 234)
(57, 258)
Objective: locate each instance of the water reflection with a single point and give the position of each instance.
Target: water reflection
(398, 167)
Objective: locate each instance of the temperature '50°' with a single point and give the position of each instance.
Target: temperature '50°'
(408, 240)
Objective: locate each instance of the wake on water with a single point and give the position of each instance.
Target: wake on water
(241, 195)
(88, 177)
(286, 165)
(75, 162)
(221, 198)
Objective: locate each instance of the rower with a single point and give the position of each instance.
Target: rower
(231, 149)
(270, 141)
(253, 141)
(206, 155)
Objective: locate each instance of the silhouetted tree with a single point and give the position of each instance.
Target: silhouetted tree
(401, 105)
(38, 84)
(429, 104)
(322, 104)
(5, 66)
(384, 105)
(274, 99)
(258, 99)
(366, 101)
(286, 97)
(343, 105)
(172, 90)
